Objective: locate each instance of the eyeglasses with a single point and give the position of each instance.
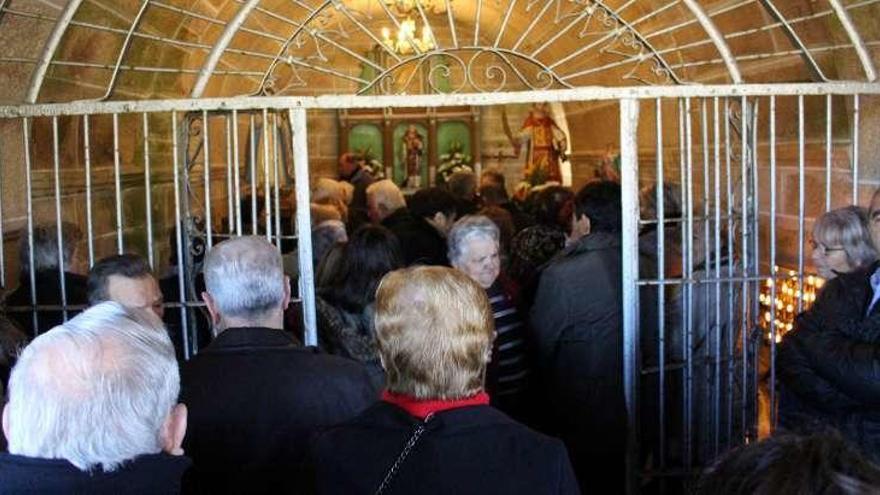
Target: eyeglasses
(822, 248)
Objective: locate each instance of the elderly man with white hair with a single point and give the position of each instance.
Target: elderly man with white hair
(254, 394)
(93, 409)
(419, 241)
(473, 250)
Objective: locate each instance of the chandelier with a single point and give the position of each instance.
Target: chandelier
(406, 40)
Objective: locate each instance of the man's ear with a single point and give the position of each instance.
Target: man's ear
(286, 293)
(6, 421)
(211, 305)
(174, 430)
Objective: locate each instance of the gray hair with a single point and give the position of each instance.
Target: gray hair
(245, 276)
(386, 193)
(847, 227)
(466, 228)
(95, 391)
(46, 246)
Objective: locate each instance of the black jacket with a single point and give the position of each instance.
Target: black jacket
(254, 398)
(154, 474)
(48, 293)
(420, 243)
(829, 365)
(471, 450)
(577, 322)
(357, 210)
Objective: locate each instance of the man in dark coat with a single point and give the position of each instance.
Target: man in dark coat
(829, 366)
(434, 431)
(93, 409)
(351, 171)
(577, 323)
(254, 394)
(420, 242)
(47, 278)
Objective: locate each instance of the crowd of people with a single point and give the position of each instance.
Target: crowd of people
(467, 343)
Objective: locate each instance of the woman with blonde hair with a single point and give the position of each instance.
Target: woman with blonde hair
(434, 432)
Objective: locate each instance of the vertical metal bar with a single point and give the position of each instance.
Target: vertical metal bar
(744, 255)
(661, 288)
(275, 149)
(705, 404)
(148, 191)
(206, 133)
(855, 152)
(629, 179)
(90, 238)
(59, 231)
(118, 184)
(178, 234)
(303, 222)
(253, 167)
(801, 166)
(828, 145)
(30, 220)
(730, 285)
(720, 335)
(267, 193)
(477, 23)
(237, 172)
(772, 322)
(230, 216)
(2, 236)
(689, 289)
(756, 253)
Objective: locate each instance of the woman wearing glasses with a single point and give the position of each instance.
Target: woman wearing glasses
(842, 242)
(825, 380)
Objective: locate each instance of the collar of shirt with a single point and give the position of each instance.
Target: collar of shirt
(875, 287)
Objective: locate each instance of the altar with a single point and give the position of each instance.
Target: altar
(414, 147)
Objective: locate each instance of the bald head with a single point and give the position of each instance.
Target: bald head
(109, 362)
(383, 199)
(246, 283)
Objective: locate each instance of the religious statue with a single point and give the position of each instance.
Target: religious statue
(413, 149)
(546, 145)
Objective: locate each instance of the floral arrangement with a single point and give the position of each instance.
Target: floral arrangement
(367, 158)
(454, 160)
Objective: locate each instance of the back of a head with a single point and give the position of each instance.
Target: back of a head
(819, 464)
(45, 240)
(94, 391)
(372, 252)
(327, 188)
(849, 228)
(434, 332)
(600, 202)
(493, 177)
(123, 265)
(245, 277)
(551, 205)
(428, 202)
(493, 195)
(386, 193)
(462, 184)
(671, 202)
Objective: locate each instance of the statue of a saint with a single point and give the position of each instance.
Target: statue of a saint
(413, 149)
(546, 146)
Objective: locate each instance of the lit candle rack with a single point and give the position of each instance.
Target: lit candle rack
(788, 293)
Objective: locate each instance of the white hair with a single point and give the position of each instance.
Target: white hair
(245, 276)
(94, 391)
(466, 228)
(386, 193)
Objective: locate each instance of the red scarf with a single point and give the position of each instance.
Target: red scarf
(422, 408)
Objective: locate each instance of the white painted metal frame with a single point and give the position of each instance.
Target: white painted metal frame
(740, 176)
